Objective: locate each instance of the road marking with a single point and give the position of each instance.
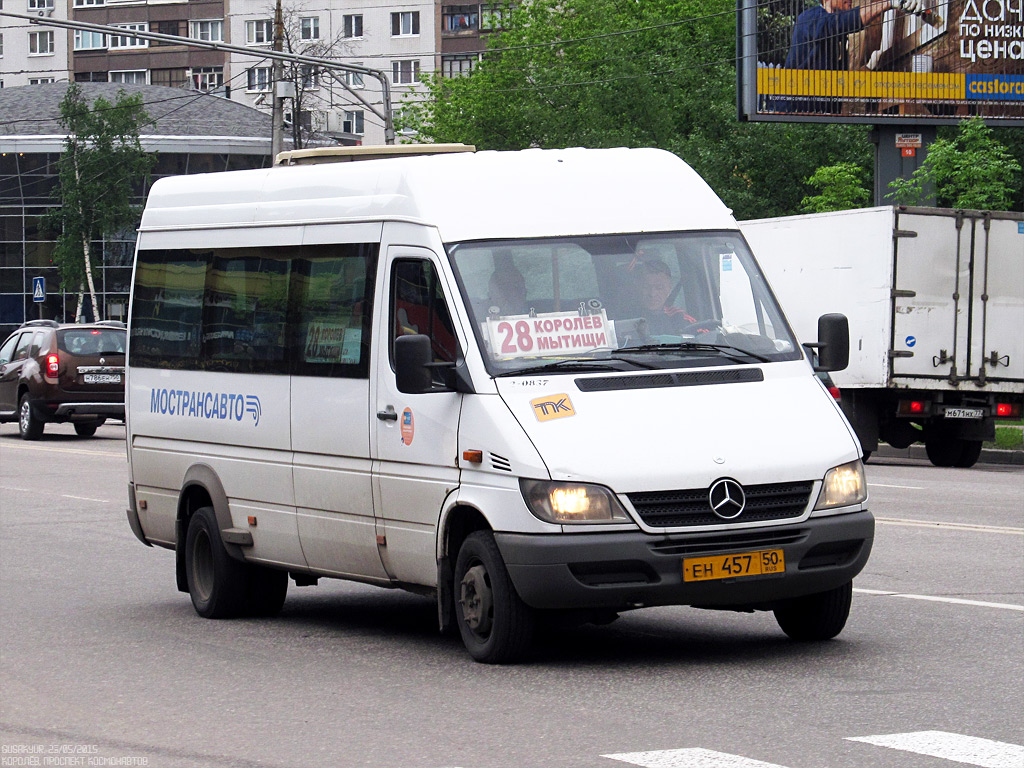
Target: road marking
(689, 758)
(85, 498)
(71, 450)
(935, 599)
(906, 487)
(1007, 531)
(952, 746)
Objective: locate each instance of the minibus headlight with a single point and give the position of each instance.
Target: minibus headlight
(843, 486)
(567, 503)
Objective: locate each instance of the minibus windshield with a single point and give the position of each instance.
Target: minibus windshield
(648, 300)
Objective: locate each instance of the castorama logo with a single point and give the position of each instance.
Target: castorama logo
(205, 405)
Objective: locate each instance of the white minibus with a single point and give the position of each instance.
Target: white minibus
(536, 385)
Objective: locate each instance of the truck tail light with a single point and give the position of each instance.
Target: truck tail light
(52, 368)
(1008, 410)
(834, 391)
(914, 407)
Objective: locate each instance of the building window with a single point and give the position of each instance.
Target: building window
(210, 30)
(40, 80)
(405, 72)
(129, 76)
(89, 41)
(354, 79)
(309, 28)
(257, 79)
(82, 3)
(458, 65)
(494, 15)
(259, 32)
(1, 46)
(207, 78)
(40, 5)
(405, 23)
(175, 28)
(40, 43)
(124, 41)
(353, 25)
(353, 122)
(309, 76)
(459, 18)
(172, 78)
(90, 77)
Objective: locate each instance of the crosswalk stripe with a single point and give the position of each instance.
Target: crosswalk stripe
(689, 758)
(952, 746)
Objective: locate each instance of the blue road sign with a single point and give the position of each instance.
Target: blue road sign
(38, 289)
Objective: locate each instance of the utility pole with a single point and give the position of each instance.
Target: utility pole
(277, 101)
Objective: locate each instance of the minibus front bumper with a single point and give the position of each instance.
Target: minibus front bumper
(623, 570)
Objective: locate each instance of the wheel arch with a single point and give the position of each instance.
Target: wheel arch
(201, 487)
(457, 522)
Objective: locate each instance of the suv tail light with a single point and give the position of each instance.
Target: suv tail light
(52, 368)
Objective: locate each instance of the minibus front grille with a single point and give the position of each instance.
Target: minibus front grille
(649, 381)
(671, 509)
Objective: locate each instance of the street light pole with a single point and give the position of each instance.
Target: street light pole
(277, 102)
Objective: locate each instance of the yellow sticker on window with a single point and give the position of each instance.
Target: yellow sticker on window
(552, 407)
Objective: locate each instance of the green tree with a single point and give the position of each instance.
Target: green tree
(970, 170)
(841, 187)
(607, 73)
(102, 168)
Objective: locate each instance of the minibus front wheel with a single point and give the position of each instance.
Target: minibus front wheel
(496, 625)
(217, 583)
(820, 616)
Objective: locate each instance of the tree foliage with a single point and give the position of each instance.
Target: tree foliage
(841, 187)
(102, 168)
(970, 170)
(659, 73)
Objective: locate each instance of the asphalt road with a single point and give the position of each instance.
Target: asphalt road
(103, 662)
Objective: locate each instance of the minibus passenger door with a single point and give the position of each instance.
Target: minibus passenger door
(416, 435)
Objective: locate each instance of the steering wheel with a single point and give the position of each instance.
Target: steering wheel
(711, 324)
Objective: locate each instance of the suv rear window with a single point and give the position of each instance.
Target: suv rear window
(92, 341)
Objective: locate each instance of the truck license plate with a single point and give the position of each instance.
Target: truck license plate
(964, 413)
(101, 378)
(758, 563)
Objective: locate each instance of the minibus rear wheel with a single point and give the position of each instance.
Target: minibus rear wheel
(816, 617)
(496, 625)
(216, 582)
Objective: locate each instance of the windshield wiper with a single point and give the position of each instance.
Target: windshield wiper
(574, 366)
(688, 346)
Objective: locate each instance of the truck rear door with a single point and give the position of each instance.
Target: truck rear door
(957, 297)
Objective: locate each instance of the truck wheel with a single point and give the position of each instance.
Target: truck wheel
(970, 454)
(816, 617)
(943, 451)
(496, 625)
(217, 582)
(265, 591)
(30, 427)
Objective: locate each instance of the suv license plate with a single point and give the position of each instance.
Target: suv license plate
(964, 413)
(101, 378)
(757, 563)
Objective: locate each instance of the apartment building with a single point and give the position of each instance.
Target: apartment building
(31, 54)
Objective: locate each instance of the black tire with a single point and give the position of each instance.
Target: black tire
(970, 454)
(30, 427)
(943, 451)
(816, 617)
(497, 627)
(86, 428)
(266, 591)
(867, 455)
(217, 582)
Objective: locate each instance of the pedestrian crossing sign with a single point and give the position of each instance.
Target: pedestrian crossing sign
(38, 289)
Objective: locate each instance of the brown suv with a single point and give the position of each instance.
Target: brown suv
(53, 372)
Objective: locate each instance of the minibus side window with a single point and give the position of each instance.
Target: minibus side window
(418, 306)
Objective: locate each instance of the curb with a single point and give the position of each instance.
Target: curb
(988, 455)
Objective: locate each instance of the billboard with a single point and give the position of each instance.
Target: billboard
(891, 61)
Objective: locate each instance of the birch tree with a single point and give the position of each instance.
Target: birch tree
(101, 170)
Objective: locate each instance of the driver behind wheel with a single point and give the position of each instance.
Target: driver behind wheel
(657, 294)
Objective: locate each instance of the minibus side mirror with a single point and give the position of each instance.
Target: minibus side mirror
(833, 343)
(412, 364)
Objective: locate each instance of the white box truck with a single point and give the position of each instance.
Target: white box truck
(935, 299)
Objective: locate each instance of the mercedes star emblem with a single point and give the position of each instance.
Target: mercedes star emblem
(727, 499)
